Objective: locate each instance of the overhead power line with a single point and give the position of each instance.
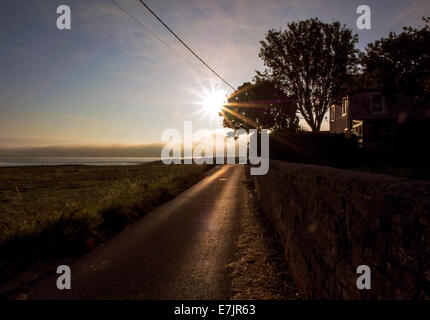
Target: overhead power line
(155, 36)
(184, 44)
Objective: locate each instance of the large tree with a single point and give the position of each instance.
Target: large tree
(260, 105)
(310, 60)
(400, 62)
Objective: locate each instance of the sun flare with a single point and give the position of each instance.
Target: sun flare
(213, 101)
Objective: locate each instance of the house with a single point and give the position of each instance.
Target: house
(374, 118)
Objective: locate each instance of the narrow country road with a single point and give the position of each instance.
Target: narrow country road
(178, 251)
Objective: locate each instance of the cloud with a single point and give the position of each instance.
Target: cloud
(24, 142)
(412, 13)
(20, 46)
(74, 118)
(146, 150)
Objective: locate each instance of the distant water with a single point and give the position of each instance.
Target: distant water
(90, 161)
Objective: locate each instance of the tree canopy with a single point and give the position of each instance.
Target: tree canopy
(260, 105)
(311, 64)
(400, 62)
(311, 61)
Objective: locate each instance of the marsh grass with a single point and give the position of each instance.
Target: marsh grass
(64, 210)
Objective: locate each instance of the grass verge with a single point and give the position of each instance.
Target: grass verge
(260, 271)
(59, 211)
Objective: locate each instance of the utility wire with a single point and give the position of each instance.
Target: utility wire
(185, 45)
(155, 36)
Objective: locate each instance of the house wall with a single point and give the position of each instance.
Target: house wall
(401, 108)
(330, 221)
(378, 124)
(339, 122)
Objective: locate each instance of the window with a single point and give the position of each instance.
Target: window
(357, 129)
(377, 103)
(332, 113)
(344, 106)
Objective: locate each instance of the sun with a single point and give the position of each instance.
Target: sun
(213, 101)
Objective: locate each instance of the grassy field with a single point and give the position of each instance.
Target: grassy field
(52, 211)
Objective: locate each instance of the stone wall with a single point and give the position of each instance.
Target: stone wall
(331, 221)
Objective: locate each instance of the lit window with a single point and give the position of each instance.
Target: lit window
(344, 106)
(332, 113)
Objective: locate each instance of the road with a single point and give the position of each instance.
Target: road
(178, 251)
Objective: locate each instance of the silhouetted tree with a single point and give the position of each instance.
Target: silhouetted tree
(261, 105)
(400, 62)
(310, 60)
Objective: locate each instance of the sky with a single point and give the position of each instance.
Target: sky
(109, 81)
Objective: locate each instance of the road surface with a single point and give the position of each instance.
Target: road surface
(178, 251)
